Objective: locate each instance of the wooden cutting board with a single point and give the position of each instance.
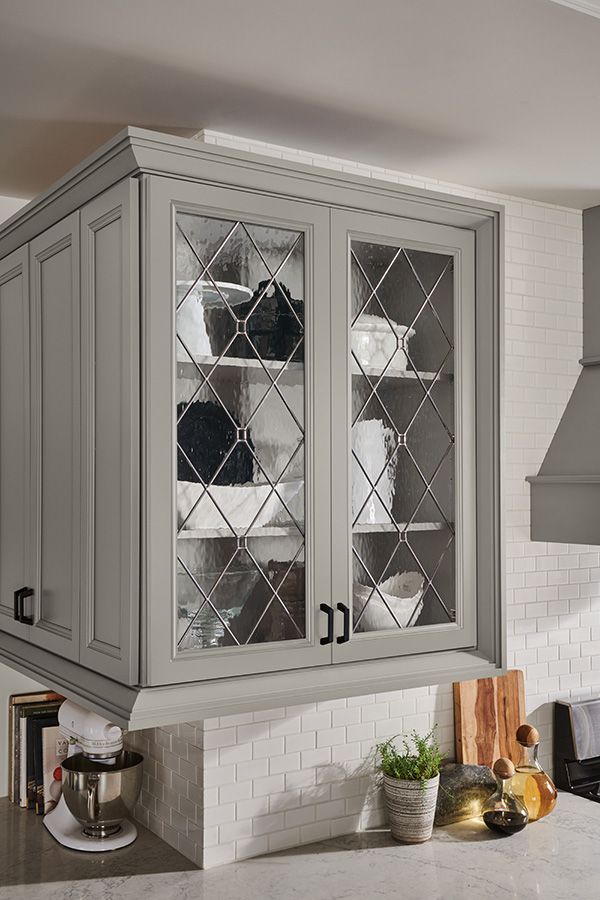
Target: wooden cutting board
(487, 713)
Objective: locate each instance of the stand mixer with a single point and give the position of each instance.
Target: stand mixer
(100, 784)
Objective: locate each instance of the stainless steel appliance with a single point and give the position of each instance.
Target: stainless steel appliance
(100, 784)
(577, 747)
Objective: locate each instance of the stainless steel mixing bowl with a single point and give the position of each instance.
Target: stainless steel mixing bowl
(101, 795)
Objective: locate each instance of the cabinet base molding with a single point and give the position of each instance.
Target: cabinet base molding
(139, 707)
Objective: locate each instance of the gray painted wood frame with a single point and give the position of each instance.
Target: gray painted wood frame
(489, 387)
(55, 460)
(110, 596)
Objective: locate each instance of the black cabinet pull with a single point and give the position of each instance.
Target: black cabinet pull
(346, 635)
(21, 596)
(328, 610)
(17, 604)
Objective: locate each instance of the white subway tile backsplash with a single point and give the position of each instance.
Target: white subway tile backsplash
(234, 791)
(269, 785)
(248, 847)
(289, 762)
(301, 741)
(289, 837)
(249, 770)
(269, 824)
(270, 747)
(302, 816)
(234, 831)
(274, 779)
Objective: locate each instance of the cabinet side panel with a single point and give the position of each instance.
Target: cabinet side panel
(110, 596)
(14, 410)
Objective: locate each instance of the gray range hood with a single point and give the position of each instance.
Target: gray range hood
(565, 495)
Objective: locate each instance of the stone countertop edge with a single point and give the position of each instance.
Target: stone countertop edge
(555, 858)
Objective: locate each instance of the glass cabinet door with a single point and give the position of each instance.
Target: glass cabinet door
(240, 394)
(407, 519)
(245, 318)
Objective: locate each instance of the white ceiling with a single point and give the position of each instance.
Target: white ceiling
(499, 94)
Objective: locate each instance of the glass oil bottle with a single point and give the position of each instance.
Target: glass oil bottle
(503, 813)
(533, 787)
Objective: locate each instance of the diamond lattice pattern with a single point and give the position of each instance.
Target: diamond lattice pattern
(402, 437)
(240, 432)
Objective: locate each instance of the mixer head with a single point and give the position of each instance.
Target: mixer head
(97, 737)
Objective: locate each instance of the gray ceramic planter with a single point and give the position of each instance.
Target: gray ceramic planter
(411, 808)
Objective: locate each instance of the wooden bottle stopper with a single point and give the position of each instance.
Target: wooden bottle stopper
(503, 768)
(528, 736)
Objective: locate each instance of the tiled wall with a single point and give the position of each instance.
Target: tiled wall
(171, 803)
(265, 781)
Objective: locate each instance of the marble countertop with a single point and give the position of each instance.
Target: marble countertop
(556, 858)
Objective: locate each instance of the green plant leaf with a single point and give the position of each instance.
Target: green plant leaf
(419, 759)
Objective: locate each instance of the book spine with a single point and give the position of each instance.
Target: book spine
(30, 770)
(17, 757)
(25, 712)
(23, 767)
(11, 752)
(18, 706)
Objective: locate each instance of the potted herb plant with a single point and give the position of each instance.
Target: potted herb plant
(411, 778)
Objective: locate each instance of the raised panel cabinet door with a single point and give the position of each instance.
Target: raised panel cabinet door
(237, 434)
(404, 504)
(110, 433)
(55, 331)
(14, 440)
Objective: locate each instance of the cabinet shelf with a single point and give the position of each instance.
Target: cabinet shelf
(261, 531)
(234, 366)
(285, 530)
(406, 374)
(376, 527)
(232, 363)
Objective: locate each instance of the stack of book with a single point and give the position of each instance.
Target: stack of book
(35, 750)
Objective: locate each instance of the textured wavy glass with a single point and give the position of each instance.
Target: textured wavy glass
(240, 433)
(402, 437)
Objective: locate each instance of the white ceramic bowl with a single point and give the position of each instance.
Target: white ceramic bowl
(403, 594)
(375, 342)
(190, 317)
(243, 505)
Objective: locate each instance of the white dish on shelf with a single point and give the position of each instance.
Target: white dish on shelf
(402, 592)
(373, 444)
(377, 341)
(243, 505)
(190, 316)
(208, 295)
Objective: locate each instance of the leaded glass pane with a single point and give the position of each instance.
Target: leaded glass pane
(402, 313)
(240, 432)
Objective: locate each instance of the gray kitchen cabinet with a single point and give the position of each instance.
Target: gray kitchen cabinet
(264, 432)
(15, 440)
